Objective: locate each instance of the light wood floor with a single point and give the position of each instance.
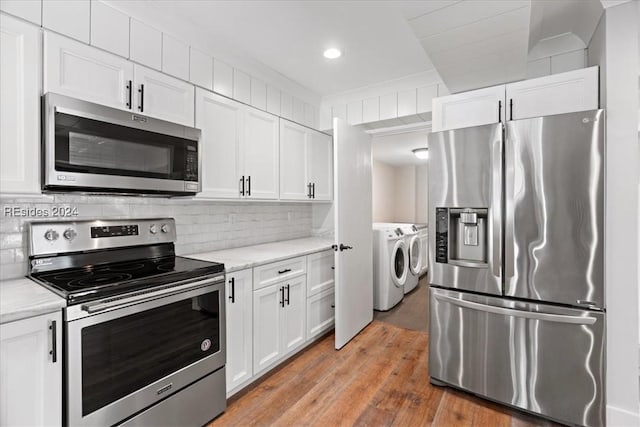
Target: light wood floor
(380, 378)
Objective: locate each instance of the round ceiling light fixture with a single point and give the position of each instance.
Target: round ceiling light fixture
(421, 153)
(332, 53)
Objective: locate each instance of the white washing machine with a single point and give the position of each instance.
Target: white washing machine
(390, 266)
(414, 251)
(423, 232)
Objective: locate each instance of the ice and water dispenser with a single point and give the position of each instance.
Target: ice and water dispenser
(461, 236)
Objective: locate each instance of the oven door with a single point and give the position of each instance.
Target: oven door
(128, 354)
(91, 147)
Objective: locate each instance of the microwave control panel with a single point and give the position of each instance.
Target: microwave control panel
(191, 166)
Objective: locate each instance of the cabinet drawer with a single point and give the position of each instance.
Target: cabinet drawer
(269, 274)
(320, 313)
(320, 272)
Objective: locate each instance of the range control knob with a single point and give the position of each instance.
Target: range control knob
(164, 228)
(51, 235)
(69, 234)
(153, 229)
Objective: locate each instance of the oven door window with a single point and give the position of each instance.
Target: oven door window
(91, 146)
(123, 355)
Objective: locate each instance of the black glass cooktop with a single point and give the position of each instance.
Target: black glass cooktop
(94, 282)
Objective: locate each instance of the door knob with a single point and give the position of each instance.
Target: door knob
(344, 247)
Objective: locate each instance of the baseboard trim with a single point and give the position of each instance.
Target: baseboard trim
(618, 417)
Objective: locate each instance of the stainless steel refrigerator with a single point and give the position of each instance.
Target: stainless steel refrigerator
(516, 264)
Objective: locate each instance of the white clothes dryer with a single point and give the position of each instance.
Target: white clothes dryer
(414, 252)
(390, 267)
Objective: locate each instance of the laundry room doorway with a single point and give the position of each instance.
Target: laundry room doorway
(400, 201)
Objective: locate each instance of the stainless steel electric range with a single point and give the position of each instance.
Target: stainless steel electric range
(144, 331)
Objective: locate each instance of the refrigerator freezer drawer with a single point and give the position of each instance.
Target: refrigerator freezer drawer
(541, 358)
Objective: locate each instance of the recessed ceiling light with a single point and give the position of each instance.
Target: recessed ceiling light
(332, 53)
(421, 153)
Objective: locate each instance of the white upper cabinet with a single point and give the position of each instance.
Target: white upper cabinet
(354, 113)
(241, 86)
(294, 184)
(20, 55)
(425, 97)
(554, 94)
(163, 97)
(239, 149)
(109, 29)
(220, 120)
(370, 110)
(473, 108)
(260, 155)
(320, 161)
(222, 78)
(389, 106)
(298, 110)
(146, 45)
(69, 17)
(286, 106)
(273, 100)
(258, 94)
(31, 371)
(239, 321)
(30, 10)
(201, 69)
(81, 71)
(306, 158)
(407, 102)
(175, 57)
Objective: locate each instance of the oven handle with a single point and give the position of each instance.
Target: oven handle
(145, 295)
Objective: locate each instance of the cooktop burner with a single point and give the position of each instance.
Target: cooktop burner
(97, 281)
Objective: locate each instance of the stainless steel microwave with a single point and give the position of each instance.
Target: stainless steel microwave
(96, 149)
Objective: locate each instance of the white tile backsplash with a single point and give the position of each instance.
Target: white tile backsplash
(201, 225)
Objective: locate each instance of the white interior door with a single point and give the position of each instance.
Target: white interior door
(353, 235)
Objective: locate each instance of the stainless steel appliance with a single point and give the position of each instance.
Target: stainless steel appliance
(144, 328)
(516, 264)
(92, 148)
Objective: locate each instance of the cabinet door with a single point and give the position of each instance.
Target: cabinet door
(293, 324)
(294, 182)
(84, 72)
(30, 376)
(320, 313)
(19, 106)
(320, 272)
(320, 163)
(259, 154)
(267, 327)
(239, 328)
(164, 97)
(555, 94)
(473, 108)
(220, 120)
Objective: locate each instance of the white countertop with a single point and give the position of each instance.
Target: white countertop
(23, 298)
(251, 256)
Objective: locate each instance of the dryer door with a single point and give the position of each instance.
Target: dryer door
(415, 254)
(399, 263)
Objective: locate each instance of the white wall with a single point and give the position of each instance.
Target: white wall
(383, 192)
(614, 47)
(405, 191)
(422, 194)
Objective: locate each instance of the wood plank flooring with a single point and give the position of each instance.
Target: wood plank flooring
(380, 378)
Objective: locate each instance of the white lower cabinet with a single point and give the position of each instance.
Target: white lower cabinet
(239, 321)
(20, 65)
(31, 371)
(278, 321)
(320, 313)
(320, 272)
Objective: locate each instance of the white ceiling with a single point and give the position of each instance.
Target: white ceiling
(396, 149)
(290, 37)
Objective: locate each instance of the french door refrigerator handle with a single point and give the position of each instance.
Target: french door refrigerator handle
(496, 208)
(549, 317)
(509, 175)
